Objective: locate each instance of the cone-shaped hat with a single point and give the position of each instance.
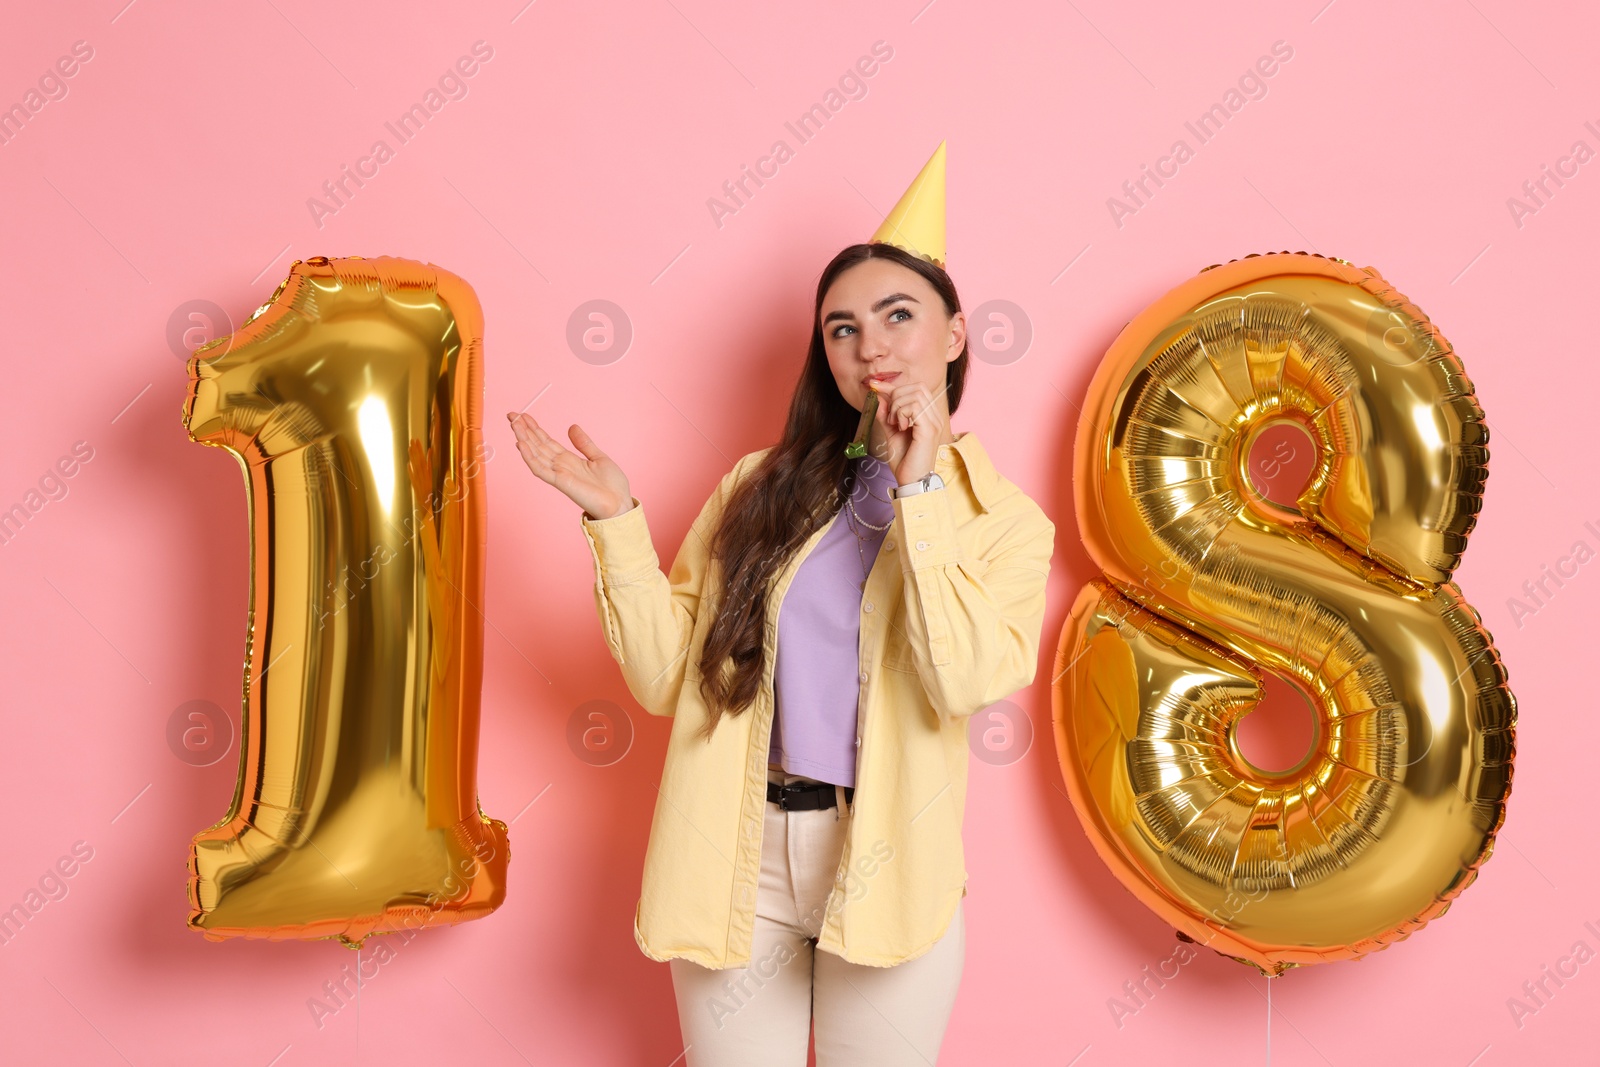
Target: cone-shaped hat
(917, 222)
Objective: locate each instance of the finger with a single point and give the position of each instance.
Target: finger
(539, 465)
(550, 450)
(917, 407)
(884, 418)
(886, 410)
(543, 454)
(892, 407)
(585, 443)
(527, 442)
(527, 428)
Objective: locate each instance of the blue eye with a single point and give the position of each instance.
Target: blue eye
(897, 311)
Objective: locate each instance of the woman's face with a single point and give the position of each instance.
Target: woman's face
(879, 317)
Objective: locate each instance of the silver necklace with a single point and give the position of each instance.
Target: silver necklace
(850, 500)
(856, 521)
(876, 529)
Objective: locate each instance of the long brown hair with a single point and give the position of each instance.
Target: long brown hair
(794, 490)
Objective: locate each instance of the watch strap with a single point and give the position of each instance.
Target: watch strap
(928, 481)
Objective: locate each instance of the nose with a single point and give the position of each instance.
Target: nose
(874, 345)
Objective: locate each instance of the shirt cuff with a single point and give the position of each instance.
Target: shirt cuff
(928, 528)
(620, 545)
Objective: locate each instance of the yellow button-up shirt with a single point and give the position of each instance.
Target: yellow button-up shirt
(951, 618)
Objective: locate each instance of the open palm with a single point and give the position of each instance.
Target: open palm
(592, 480)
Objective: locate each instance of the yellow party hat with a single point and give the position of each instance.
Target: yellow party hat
(917, 222)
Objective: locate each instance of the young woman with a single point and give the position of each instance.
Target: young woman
(828, 626)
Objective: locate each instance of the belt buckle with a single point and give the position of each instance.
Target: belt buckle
(786, 791)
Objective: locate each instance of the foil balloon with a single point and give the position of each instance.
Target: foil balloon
(1346, 594)
(352, 401)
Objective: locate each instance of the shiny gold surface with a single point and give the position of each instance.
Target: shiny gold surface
(352, 401)
(1348, 596)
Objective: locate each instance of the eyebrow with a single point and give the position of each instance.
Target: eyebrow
(879, 306)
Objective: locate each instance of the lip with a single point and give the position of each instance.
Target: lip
(885, 377)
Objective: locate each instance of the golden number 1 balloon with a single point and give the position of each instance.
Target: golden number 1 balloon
(352, 401)
(1346, 595)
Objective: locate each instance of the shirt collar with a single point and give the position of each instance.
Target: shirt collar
(973, 465)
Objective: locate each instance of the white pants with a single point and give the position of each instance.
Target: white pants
(762, 1015)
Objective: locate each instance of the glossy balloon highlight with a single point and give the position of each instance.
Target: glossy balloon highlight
(1346, 594)
(352, 401)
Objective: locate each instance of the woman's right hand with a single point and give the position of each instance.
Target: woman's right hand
(593, 480)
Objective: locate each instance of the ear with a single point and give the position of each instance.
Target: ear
(958, 336)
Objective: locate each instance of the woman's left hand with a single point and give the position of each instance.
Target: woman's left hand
(911, 424)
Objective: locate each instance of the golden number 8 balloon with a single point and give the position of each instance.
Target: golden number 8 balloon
(353, 403)
(1346, 594)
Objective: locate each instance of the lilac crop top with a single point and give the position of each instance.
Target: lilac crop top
(815, 676)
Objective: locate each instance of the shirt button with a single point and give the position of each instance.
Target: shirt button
(867, 606)
(922, 545)
(889, 544)
(863, 676)
(858, 742)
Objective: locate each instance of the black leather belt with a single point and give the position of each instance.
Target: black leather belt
(798, 796)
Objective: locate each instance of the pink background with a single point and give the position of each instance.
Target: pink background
(178, 167)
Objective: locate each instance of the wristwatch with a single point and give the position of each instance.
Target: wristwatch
(928, 481)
